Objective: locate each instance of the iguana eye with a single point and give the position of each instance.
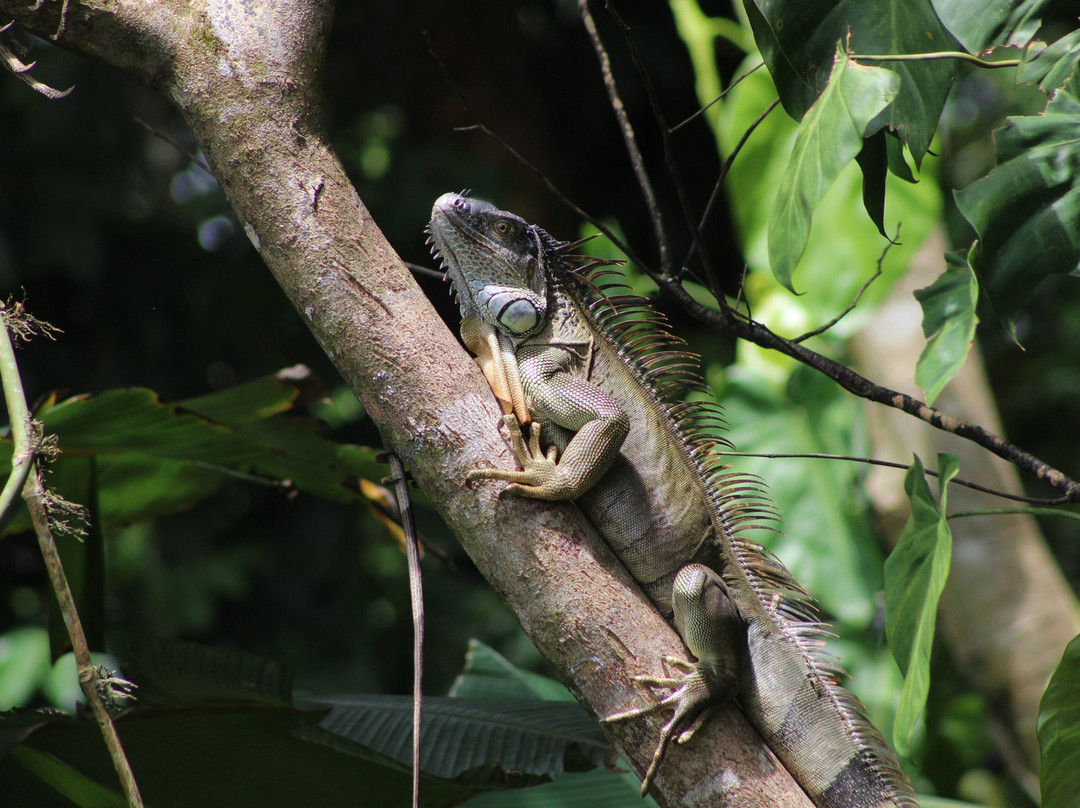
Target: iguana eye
(502, 227)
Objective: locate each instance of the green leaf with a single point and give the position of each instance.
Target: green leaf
(524, 740)
(153, 457)
(489, 674)
(843, 248)
(174, 672)
(24, 664)
(525, 725)
(797, 39)
(1059, 733)
(873, 160)
(980, 24)
(220, 755)
(949, 322)
(1027, 210)
(1050, 67)
(830, 136)
(595, 789)
(915, 575)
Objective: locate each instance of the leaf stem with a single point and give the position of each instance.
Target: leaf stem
(928, 57)
(1024, 511)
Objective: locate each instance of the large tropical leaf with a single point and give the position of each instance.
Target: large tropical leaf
(152, 457)
(522, 740)
(221, 728)
(830, 136)
(1027, 210)
(489, 674)
(797, 39)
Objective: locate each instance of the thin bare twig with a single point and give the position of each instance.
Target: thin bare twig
(734, 83)
(659, 233)
(416, 596)
(929, 57)
(192, 157)
(1020, 511)
(480, 126)
(669, 155)
(858, 295)
(890, 464)
(715, 195)
(427, 272)
(753, 331)
(37, 501)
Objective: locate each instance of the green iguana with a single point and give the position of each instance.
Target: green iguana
(602, 381)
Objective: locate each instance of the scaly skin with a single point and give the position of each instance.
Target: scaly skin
(602, 380)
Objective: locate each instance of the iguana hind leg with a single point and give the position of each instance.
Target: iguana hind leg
(712, 629)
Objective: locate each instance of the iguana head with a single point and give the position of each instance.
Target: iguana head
(495, 261)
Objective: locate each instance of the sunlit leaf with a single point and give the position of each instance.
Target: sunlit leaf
(797, 39)
(1059, 733)
(949, 322)
(915, 575)
(843, 248)
(829, 137)
(980, 24)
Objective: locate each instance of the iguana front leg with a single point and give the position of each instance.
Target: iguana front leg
(710, 625)
(554, 393)
(494, 354)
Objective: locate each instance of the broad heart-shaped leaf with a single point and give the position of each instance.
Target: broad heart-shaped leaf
(980, 24)
(949, 322)
(915, 575)
(153, 458)
(797, 39)
(1059, 733)
(1027, 210)
(830, 135)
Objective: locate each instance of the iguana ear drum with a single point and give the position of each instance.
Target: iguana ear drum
(515, 309)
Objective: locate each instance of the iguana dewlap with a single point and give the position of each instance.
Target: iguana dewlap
(602, 381)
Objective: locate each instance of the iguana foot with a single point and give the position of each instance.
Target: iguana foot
(540, 477)
(692, 696)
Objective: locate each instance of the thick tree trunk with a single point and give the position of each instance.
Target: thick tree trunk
(247, 78)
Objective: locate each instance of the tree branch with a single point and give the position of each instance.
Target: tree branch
(851, 381)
